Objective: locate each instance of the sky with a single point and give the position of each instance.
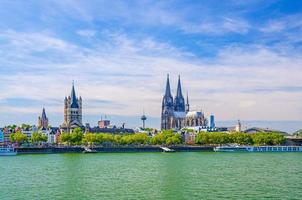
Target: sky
(238, 59)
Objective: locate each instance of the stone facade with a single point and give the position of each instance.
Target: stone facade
(176, 112)
(195, 118)
(72, 112)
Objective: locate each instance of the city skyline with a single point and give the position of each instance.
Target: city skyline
(243, 63)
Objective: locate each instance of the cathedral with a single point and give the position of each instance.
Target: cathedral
(176, 112)
(72, 112)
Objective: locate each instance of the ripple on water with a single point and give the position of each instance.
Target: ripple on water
(152, 176)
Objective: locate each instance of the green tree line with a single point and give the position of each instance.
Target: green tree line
(218, 138)
(77, 138)
(21, 138)
(167, 137)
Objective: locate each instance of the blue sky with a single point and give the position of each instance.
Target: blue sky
(238, 59)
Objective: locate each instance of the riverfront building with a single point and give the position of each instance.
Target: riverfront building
(72, 112)
(176, 112)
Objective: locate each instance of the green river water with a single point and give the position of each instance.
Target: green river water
(194, 175)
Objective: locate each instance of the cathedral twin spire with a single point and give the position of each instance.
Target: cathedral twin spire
(173, 110)
(179, 102)
(168, 90)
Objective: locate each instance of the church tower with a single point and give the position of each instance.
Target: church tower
(179, 101)
(167, 113)
(43, 120)
(72, 111)
(179, 107)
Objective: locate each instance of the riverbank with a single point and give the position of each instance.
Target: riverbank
(119, 149)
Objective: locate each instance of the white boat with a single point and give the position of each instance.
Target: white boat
(258, 149)
(166, 149)
(7, 151)
(88, 150)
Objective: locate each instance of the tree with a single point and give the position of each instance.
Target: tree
(117, 139)
(38, 137)
(241, 138)
(158, 139)
(90, 139)
(12, 127)
(175, 139)
(139, 138)
(76, 136)
(202, 138)
(65, 138)
(166, 137)
(18, 137)
(278, 139)
(268, 138)
(25, 126)
(219, 138)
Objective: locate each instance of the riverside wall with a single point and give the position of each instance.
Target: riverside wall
(119, 149)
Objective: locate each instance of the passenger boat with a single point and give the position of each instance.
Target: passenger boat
(277, 149)
(233, 149)
(7, 151)
(258, 149)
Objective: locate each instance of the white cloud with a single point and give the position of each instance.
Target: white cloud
(152, 14)
(242, 82)
(280, 24)
(86, 33)
(33, 41)
(236, 25)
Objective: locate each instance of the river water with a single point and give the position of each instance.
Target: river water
(194, 175)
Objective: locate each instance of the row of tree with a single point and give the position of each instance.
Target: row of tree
(23, 126)
(218, 138)
(163, 138)
(77, 138)
(20, 138)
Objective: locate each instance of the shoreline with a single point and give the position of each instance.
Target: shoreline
(56, 150)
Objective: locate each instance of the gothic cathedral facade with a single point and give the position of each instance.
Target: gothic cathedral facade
(176, 112)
